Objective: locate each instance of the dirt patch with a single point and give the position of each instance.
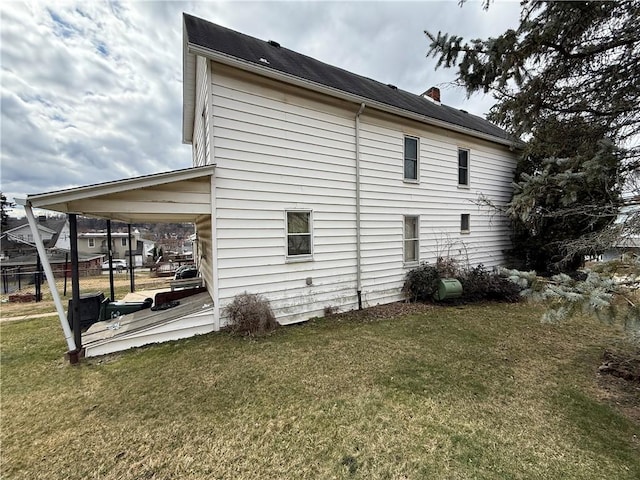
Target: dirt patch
(389, 310)
(619, 382)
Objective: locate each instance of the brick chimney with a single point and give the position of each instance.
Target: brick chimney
(433, 93)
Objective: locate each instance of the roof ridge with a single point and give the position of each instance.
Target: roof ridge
(252, 50)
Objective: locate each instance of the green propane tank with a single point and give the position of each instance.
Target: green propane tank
(448, 288)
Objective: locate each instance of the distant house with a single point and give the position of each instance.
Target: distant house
(17, 239)
(96, 243)
(629, 244)
(19, 257)
(311, 185)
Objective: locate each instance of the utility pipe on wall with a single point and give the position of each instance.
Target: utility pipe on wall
(358, 253)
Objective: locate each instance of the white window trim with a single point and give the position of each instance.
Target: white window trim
(415, 262)
(468, 230)
(468, 184)
(417, 179)
(123, 241)
(91, 242)
(297, 258)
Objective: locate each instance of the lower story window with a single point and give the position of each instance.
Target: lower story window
(299, 239)
(465, 223)
(411, 238)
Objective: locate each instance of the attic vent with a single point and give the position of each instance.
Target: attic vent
(264, 60)
(273, 43)
(392, 87)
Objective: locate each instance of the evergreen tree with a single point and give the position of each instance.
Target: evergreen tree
(4, 206)
(567, 80)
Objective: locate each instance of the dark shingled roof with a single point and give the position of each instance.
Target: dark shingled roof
(249, 49)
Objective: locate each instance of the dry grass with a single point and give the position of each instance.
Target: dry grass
(442, 393)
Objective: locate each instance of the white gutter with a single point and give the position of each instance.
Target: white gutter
(358, 253)
(334, 92)
(68, 335)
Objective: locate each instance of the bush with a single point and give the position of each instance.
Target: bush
(421, 282)
(250, 314)
(479, 284)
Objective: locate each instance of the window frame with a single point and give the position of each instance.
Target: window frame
(123, 241)
(91, 242)
(304, 257)
(416, 239)
(467, 168)
(464, 216)
(404, 159)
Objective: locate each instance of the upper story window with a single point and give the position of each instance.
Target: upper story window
(411, 238)
(411, 159)
(463, 167)
(299, 234)
(92, 242)
(124, 242)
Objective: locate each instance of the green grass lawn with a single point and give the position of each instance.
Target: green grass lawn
(449, 393)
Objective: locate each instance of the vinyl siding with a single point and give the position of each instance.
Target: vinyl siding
(205, 251)
(276, 153)
(437, 199)
(200, 144)
(278, 148)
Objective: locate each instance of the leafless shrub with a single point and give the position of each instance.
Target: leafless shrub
(250, 314)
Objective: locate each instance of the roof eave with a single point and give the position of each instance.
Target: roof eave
(194, 49)
(43, 200)
(188, 88)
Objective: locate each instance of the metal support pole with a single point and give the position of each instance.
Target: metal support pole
(75, 280)
(110, 259)
(66, 269)
(38, 280)
(50, 278)
(131, 265)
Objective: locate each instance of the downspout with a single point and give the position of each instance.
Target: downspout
(358, 253)
(49, 274)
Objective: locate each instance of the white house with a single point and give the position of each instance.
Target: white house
(311, 185)
(96, 243)
(53, 231)
(329, 186)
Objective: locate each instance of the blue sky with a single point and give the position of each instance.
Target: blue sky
(92, 90)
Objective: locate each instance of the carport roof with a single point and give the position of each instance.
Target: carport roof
(175, 196)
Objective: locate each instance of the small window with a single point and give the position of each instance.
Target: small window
(463, 167)
(124, 242)
(411, 239)
(465, 223)
(411, 159)
(92, 242)
(299, 241)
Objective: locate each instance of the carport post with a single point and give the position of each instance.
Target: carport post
(110, 258)
(64, 323)
(131, 265)
(75, 280)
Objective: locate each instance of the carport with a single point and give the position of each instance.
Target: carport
(177, 196)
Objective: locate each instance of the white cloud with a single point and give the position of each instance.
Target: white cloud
(91, 91)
